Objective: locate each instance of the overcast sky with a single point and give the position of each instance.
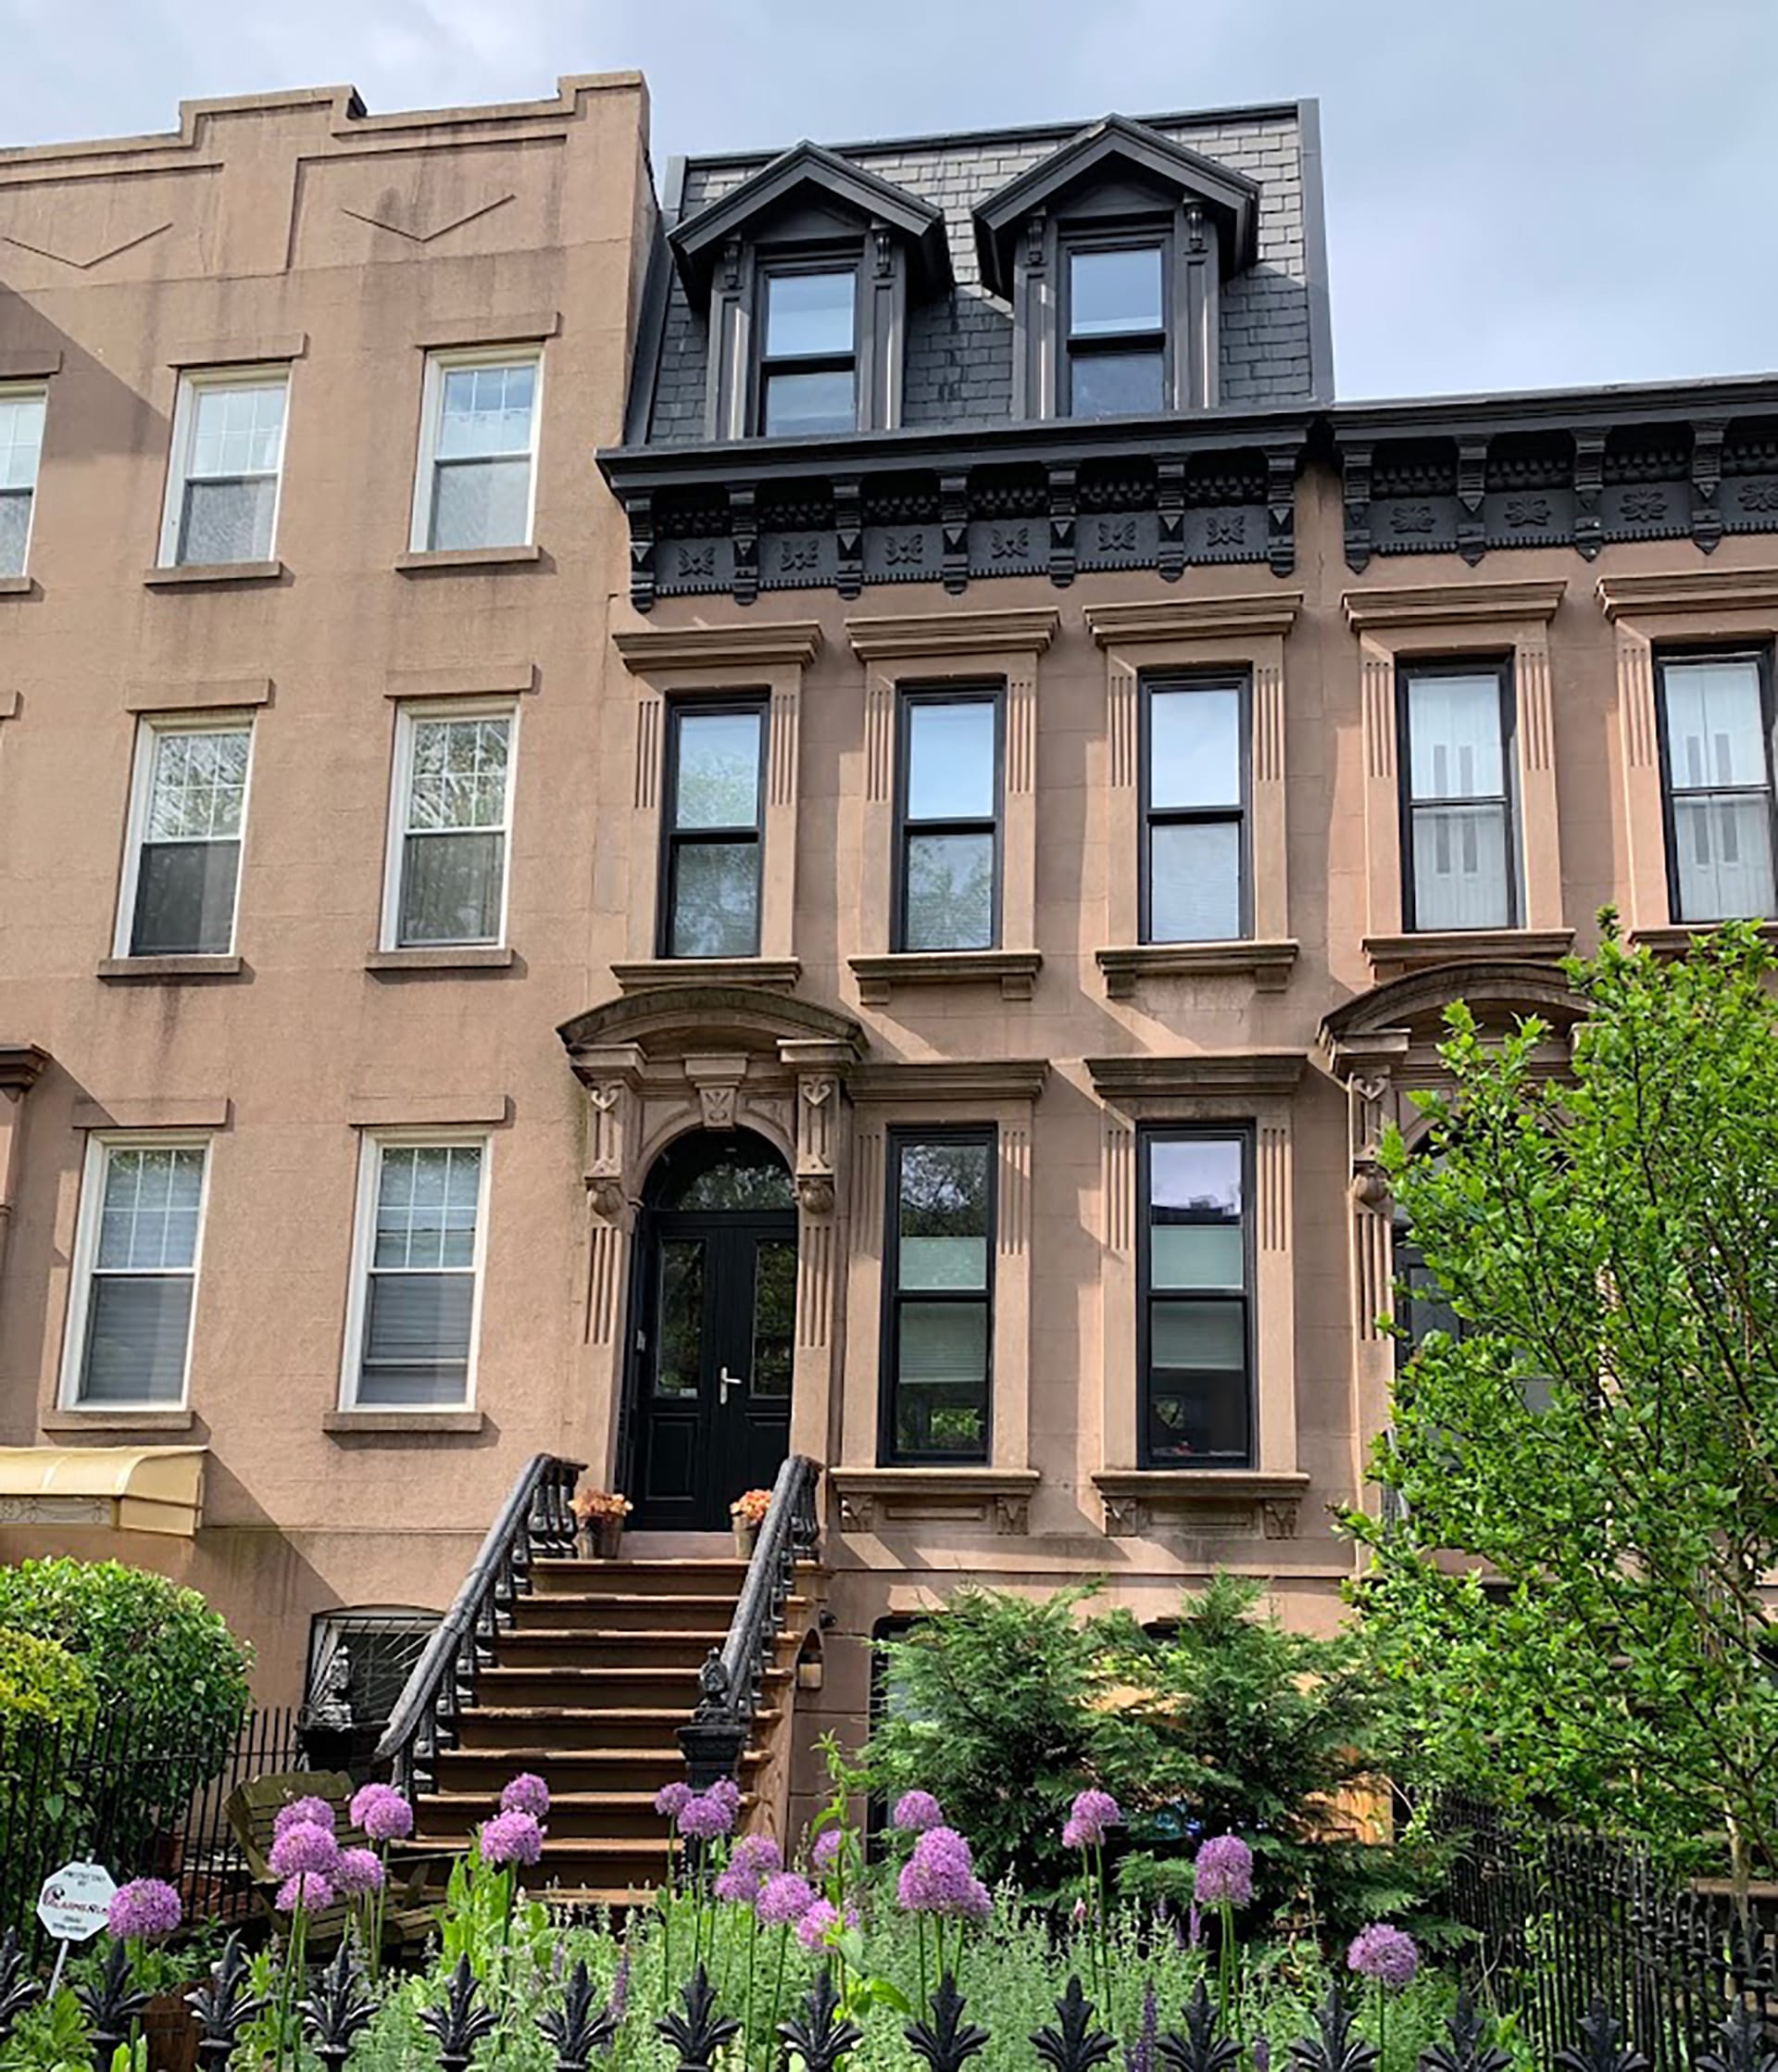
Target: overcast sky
(1521, 192)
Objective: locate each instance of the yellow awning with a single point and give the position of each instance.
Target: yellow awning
(129, 1488)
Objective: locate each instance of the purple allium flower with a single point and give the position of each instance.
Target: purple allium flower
(812, 1931)
(512, 1837)
(976, 1902)
(305, 1847)
(145, 1906)
(672, 1799)
(1384, 1954)
(526, 1793)
(726, 1792)
(359, 1871)
(826, 1852)
(784, 1898)
(310, 1812)
(382, 1813)
(1140, 2055)
(307, 1890)
(1223, 1871)
(916, 1811)
(619, 2003)
(704, 1818)
(939, 1877)
(1091, 1813)
(756, 1858)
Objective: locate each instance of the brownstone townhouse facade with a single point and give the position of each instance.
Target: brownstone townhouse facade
(822, 815)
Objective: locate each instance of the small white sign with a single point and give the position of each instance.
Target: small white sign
(75, 1901)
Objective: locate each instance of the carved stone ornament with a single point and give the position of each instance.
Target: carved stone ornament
(815, 1193)
(604, 1192)
(1370, 1183)
(857, 1514)
(1012, 1514)
(717, 1106)
(1279, 1515)
(1125, 1517)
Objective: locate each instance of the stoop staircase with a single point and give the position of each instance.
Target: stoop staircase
(585, 1671)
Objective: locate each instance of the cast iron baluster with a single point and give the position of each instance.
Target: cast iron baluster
(1200, 2049)
(459, 2025)
(1743, 2048)
(578, 2028)
(1077, 2046)
(700, 2033)
(1600, 2049)
(947, 2040)
(1468, 2044)
(225, 2006)
(17, 1988)
(815, 2036)
(1332, 2048)
(337, 2009)
(112, 2004)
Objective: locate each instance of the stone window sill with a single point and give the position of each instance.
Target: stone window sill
(776, 974)
(1235, 1503)
(1014, 970)
(1394, 955)
(17, 585)
(459, 957)
(160, 970)
(1676, 940)
(342, 1422)
(1267, 963)
(120, 1420)
(197, 574)
(996, 1499)
(456, 560)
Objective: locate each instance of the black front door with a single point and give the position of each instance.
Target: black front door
(714, 1348)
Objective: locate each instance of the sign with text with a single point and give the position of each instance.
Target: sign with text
(75, 1901)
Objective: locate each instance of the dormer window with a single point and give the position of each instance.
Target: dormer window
(1116, 330)
(808, 366)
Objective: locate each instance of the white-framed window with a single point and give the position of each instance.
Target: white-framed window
(477, 482)
(450, 815)
(226, 465)
(135, 1282)
(416, 1299)
(188, 813)
(21, 438)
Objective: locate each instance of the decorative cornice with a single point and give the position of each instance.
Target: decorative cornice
(999, 1498)
(1256, 611)
(1267, 963)
(1211, 1502)
(1015, 971)
(21, 1065)
(1453, 604)
(1624, 597)
(646, 648)
(1139, 1075)
(1467, 945)
(974, 1079)
(776, 974)
(953, 633)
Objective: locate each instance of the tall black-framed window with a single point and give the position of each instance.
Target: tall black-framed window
(1115, 324)
(808, 347)
(938, 1290)
(1716, 766)
(948, 864)
(1195, 1353)
(1459, 853)
(1195, 781)
(713, 828)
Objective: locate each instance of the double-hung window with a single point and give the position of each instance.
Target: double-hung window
(448, 868)
(478, 457)
(22, 439)
(1459, 867)
(714, 829)
(1116, 330)
(135, 1272)
(1195, 1352)
(938, 1272)
(948, 875)
(412, 1333)
(808, 359)
(228, 459)
(1195, 810)
(1716, 757)
(188, 813)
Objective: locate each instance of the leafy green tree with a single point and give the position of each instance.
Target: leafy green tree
(42, 1683)
(1601, 1440)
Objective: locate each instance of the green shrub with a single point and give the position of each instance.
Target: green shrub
(40, 1681)
(141, 1641)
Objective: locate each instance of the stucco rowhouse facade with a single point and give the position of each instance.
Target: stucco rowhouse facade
(822, 812)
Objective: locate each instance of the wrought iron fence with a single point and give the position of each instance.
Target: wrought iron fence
(139, 1804)
(1563, 1922)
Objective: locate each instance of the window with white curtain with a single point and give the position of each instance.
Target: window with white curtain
(21, 440)
(227, 461)
(478, 457)
(1716, 757)
(135, 1274)
(1459, 868)
(411, 1336)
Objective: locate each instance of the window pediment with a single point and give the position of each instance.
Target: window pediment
(670, 1020)
(1500, 992)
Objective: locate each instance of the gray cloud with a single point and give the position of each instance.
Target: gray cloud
(1536, 193)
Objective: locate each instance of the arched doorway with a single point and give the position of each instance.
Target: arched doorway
(710, 1372)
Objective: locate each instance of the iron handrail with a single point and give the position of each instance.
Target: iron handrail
(535, 1519)
(733, 1675)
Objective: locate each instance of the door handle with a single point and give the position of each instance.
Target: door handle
(725, 1381)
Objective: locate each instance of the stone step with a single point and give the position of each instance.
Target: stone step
(569, 1728)
(445, 1819)
(624, 1611)
(577, 1684)
(482, 1773)
(556, 1577)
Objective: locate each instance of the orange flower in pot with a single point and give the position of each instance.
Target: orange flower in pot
(747, 1513)
(601, 1514)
